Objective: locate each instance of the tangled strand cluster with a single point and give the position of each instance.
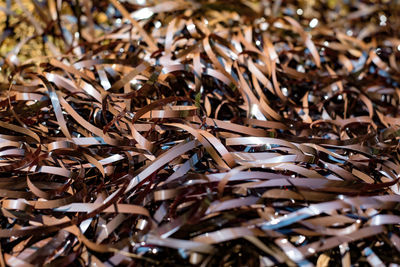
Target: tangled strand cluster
(211, 133)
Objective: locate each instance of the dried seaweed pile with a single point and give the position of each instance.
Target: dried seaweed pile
(212, 133)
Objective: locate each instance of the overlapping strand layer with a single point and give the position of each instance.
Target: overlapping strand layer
(212, 133)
